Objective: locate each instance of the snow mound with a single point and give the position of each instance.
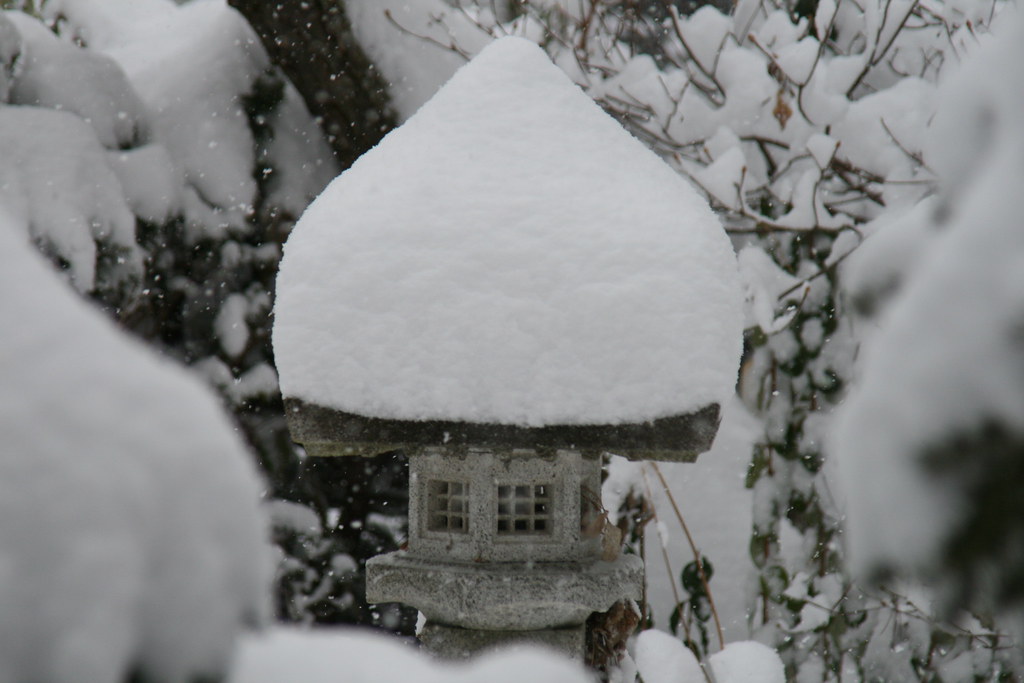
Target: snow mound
(365, 656)
(509, 255)
(661, 658)
(130, 534)
(747, 661)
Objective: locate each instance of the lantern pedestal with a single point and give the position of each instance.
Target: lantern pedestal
(450, 642)
(504, 596)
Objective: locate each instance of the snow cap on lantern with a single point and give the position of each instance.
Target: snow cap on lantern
(508, 268)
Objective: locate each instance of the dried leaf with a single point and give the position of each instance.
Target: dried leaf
(782, 111)
(611, 542)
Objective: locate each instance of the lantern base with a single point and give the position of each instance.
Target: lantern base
(504, 596)
(451, 642)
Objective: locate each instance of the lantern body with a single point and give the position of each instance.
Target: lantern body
(508, 286)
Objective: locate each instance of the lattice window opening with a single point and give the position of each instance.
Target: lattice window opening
(524, 509)
(447, 506)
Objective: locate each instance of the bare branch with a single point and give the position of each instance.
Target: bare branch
(916, 158)
(696, 553)
(878, 55)
(678, 30)
(450, 46)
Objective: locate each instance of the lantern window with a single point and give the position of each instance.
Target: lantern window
(447, 506)
(524, 509)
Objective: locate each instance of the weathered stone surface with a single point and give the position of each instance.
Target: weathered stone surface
(325, 431)
(566, 477)
(451, 642)
(503, 596)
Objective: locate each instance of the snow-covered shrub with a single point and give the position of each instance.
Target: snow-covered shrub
(152, 152)
(131, 539)
(932, 441)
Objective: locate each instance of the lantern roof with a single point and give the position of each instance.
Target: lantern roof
(509, 260)
(328, 431)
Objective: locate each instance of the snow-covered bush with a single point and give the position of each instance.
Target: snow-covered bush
(131, 538)
(932, 441)
(152, 151)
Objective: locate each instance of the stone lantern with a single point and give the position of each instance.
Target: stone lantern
(505, 288)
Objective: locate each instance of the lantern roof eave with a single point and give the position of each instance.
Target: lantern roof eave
(327, 431)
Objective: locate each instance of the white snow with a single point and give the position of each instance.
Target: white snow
(416, 44)
(189, 70)
(509, 255)
(661, 658)
(822, 147)
(260, 380)
(723, 179)
(747, 662)
(947, 355)
(878, 125)
(192, 66)
(363, 656)
(56, 74)
(718, 510)
(295, 517)
(763, 283)
(102, 24)
(797, 60)
(148, 119)
(10, 51)
(130, 532)
(230, 326)
(897, 241)
(151, 183)
(55, 180)
(705, 32)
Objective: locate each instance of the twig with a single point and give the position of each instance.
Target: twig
(708, 676)
(678, 29)
(584, 25)
(487, 31)
(916, 158)
(827, 270)
(664, 552)
(878, 55)
(696, 554)
(450, 46)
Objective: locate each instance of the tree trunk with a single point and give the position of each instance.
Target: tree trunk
(312, 42)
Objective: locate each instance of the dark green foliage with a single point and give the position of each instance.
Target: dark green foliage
(361, 505)
(698, 604)
(312, 43)
(983, 557)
